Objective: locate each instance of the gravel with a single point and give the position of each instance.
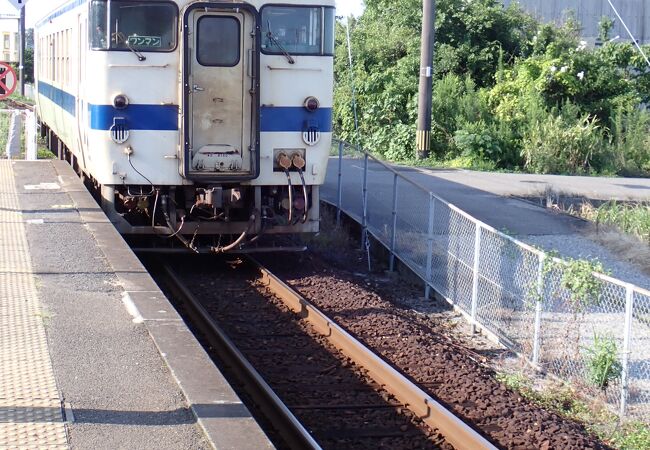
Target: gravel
(423, 350)
(577, 246)
(333, 398)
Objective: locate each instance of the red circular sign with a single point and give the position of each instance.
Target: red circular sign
(8, 80)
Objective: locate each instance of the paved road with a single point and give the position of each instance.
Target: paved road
(479, 195)
(487, 197)
(594, 188)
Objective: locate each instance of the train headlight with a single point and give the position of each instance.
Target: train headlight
(311, 104)
(120, 101)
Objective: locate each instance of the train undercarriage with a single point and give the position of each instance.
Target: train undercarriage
(201, 218)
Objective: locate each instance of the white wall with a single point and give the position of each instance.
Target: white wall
(9, 40)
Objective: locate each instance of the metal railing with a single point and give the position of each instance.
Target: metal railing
(503, 286)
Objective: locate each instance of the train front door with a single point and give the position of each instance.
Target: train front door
(221, 92)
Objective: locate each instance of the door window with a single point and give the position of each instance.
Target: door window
(218, 43)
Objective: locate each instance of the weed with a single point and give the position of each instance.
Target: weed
(565, 401)
(577, 277)
(516, 381)
(633, 219)
(44, 153)
(632, 436)
(559, 398)
(46, 316)
(602, 361)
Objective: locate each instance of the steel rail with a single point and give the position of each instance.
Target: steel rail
(18, 104)
(455, 431)
(275, 411)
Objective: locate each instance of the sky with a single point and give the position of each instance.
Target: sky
(37, 8)
(346, 7)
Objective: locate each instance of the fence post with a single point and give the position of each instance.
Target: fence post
(364, 220)
(393, 234)
(538, 309)
(339, 191)
(429, 272)
(627, 342)
(15, 131)
(477, 256)
(31, 143)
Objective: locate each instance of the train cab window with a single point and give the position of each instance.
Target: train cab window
(146, 26)
(218, 41)
(298, 30)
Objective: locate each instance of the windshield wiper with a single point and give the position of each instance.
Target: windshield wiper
(119, 37)
(275, 42)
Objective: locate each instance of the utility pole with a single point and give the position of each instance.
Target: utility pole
(426, 79)
(21, 50)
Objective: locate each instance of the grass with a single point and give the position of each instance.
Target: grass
(632, 436)
(566, 402)
(44, 153)
(629, 218)
(5, 119)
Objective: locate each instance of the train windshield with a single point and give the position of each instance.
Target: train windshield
(298, 30)
(146, 26)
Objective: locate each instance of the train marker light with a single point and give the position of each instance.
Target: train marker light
(120, 101)
(311, 104)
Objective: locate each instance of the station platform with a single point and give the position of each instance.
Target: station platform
(92, 354)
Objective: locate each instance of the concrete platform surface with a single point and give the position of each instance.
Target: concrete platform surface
(124, 370)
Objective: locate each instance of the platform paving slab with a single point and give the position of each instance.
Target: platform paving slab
(30, 404)
(123, 360)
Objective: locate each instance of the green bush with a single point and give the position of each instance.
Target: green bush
(474, 140)
(508, 90)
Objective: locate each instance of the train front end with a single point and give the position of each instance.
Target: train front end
(239, 147)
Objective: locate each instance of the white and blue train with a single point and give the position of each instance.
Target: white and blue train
(208, 121)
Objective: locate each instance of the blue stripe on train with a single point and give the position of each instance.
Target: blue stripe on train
(165, 117)
(137, 117)
(58, 96)
(289, 118)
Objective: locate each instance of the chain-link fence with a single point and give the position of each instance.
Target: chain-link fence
(586, 328)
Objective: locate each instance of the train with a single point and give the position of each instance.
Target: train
(206, 122)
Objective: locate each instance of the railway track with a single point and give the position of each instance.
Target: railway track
(318, 385)
(17, 104)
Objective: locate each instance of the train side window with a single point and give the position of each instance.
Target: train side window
(218, 41)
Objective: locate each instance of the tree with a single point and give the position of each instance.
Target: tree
(498, 77)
